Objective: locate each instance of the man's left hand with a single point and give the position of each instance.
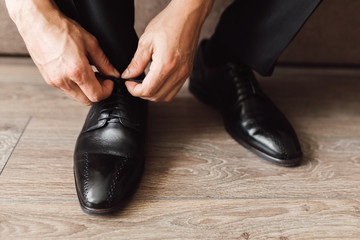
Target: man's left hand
(170, 40)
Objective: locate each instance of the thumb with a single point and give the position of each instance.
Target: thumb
(99, 59)
(139, 62)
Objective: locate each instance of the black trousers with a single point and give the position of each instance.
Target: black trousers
(111, 22)
(254, 31)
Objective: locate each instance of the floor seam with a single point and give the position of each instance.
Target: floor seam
(12, 151)
(194, 199)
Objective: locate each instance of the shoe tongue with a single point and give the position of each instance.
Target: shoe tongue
(98, 119)
(115, 109)
(119, 87)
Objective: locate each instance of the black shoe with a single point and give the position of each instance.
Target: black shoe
(249, 115)
(109, 152)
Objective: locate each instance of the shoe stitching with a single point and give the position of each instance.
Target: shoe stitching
(86, 175)
(109, 199)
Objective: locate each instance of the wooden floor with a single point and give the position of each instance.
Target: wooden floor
(198, 182)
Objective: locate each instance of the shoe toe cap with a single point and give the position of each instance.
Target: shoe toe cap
(277, 143)
(102, 180)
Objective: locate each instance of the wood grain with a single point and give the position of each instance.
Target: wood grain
(202, 161)
(10, 131)
(23, 91)
(186, 219)
(198, 182)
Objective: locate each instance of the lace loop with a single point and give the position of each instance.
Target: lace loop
(111, 113)
(242, 78)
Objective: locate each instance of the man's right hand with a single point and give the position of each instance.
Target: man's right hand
(60, 48)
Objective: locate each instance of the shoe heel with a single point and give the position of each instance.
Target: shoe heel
(201, 95)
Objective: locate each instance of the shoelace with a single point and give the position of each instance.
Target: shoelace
(111, 113)
(117, 113)
(103, 77)
(244, 86)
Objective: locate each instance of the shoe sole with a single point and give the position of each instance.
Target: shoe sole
(114, 209)
(203, 97)
(278, 161)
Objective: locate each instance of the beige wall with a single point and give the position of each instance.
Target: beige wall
(331, 36)
(11, 42)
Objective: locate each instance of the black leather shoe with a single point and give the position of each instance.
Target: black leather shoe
(249, 115)
(109, 152)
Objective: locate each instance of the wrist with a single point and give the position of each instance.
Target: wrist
(14, 7)
(37, 12)
(25, 11)
(191, 13)
(197, 8)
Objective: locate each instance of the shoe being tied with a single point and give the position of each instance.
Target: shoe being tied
(109, 152)
(249, 115)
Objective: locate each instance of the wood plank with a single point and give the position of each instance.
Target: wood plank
(186, 219)
(24, 91)
(201, 160)
(11, 129)
(44, 158)
(198, 182)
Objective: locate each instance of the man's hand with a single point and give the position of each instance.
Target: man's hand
(170, 40)
(60, 48)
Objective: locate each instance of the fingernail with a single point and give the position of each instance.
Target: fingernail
(117, 74)
(126, 73)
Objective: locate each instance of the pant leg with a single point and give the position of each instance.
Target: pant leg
(257, 31)
(68, 8)
(111, 22)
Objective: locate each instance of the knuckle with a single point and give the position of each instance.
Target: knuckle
(165, 69)
(92, 41)
(155, 100)
(51, 83)
(185, 71)
(168, 99)
(76, 72)
(149, 93)
(135, 63)
(142, 42)
(57, 82)
(75, 27)
(95, 98)
(105, 60)
(87, 103)
(170, 65)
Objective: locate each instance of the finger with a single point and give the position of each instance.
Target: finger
(168, 93)
(173, 85)
(98, 57)
(165, 95)
(139, 62)
(130, 85)
(73, 91)
(150, 85)
(172, 95)
(91, 87)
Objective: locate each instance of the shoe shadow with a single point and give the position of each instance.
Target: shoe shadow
(176, 131)
(181, 131)
(317, 102)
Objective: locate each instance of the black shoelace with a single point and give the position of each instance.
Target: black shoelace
(103, 77)
(242, 79)
(110, 113)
